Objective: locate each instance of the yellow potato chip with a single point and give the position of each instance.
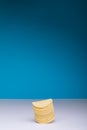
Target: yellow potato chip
(44, 111)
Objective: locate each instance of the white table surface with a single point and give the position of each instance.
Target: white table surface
(18, 115)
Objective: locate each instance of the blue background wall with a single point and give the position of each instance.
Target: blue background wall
(43, 49)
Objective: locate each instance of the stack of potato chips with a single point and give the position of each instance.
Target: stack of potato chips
(44, 111)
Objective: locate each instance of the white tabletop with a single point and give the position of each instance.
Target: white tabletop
(18, 115)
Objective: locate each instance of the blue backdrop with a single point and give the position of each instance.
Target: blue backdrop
(43, 49)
